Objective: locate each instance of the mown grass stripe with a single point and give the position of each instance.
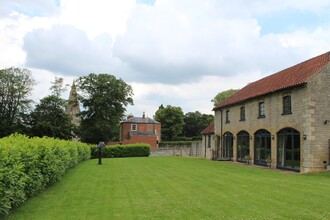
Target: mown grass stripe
(180, 188)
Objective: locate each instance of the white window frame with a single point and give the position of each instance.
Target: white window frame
(133, 127)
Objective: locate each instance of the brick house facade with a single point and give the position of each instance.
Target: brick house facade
(140, 130)
(282, 119)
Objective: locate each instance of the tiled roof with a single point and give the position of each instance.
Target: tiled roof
(141, 120)
(290, 77)
(209, 129)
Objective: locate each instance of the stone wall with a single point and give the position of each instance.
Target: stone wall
(318, 127)
(273, 121)
(194, 150)
(209, 150)
(310, 110)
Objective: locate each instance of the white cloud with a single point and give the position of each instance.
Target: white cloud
(310, 43)
(190, 97)
(98, 16)
(67, 50)
(173, 52)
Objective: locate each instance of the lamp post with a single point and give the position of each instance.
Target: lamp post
(99, 149)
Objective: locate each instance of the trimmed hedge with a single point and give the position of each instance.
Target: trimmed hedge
(127, 150)
(29, 165)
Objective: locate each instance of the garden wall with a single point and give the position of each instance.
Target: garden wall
(193, 149)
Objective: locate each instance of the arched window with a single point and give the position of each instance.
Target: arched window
(227, 149)
(288, 149)
(262, 147)
(243, 146)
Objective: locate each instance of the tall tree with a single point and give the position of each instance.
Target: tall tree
(15, 86)
(195, 122)
(104, 99)
(221, 96)
(171, 119)
(49, 117)
(58, 87)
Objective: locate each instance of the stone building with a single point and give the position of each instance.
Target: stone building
(140, 130)
(282, 119)
(208, 141)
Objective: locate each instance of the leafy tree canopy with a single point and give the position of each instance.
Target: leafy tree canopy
(49, 117)
(221, 96)
(195, 122)
(104, 99)
(171, 119)
(15, 86)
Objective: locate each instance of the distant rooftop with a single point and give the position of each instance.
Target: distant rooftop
(209, 129)
(140, 120)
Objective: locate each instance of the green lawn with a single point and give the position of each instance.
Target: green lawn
(179, 188)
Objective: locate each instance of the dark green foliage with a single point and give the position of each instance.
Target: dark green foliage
(28, 165)
(49, 119)
(128, 150)
(15, 86)
(171, 118)
(104, 98)
(194, 123)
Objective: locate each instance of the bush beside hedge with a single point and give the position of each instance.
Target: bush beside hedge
(28, 165)
(128, 150)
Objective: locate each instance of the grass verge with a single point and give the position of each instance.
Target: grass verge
(179, 188)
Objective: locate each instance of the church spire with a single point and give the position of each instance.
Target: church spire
(73, 108)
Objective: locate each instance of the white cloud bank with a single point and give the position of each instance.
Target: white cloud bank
(172, 52)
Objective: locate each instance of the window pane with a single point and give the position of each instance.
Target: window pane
(280, 151)
(243, 145)
(288, 149)
(227, 116)
(296, 156)
(242, 113)
(287, 104)
(227, 151)
(134, 127)
(288, 152)
(262, 147)
(261, 109)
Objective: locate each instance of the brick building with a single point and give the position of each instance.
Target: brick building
(283, 119)
(140, 130)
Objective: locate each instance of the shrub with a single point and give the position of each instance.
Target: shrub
(128, 150)
(28, 165)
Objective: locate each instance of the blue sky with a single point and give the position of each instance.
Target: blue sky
(148, 2)
(172, 52)
(291, 20)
